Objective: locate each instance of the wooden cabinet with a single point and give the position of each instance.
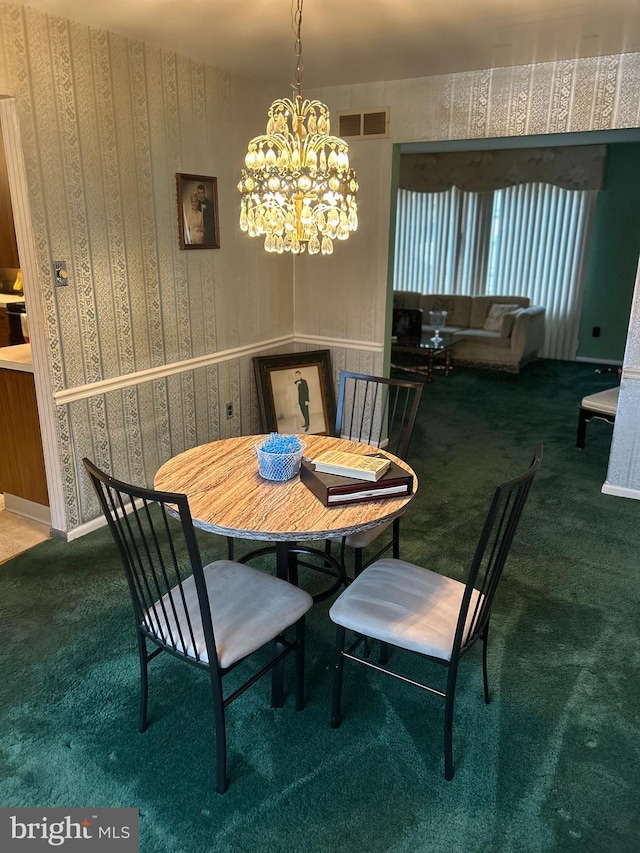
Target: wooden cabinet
(22, 470)
(4, 327)
(8, 246)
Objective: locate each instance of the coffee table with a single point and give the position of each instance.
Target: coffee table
(424, 357)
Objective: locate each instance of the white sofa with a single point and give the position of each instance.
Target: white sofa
(504, 342)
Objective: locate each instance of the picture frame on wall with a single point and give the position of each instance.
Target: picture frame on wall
(198, 223)
(295, 392)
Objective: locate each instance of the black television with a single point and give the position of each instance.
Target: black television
(406, 325)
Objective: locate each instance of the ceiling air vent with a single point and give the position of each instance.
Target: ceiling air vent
(371, 124)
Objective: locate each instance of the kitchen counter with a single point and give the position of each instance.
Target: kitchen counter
(16, 358)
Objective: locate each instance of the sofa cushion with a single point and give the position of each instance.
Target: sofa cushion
(458, 308)
(497, 315)
(482, 338)
(427, 329)
(406, 299)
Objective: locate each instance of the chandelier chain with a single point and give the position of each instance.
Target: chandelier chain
(299, 62)
(298, 189)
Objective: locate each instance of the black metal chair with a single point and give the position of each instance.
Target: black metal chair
(381, 412)
(408, 607)
(213, 617)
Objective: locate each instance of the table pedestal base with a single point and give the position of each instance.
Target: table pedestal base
(288, 562)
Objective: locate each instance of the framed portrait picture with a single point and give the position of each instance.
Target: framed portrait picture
(295, 392)
(198, 225)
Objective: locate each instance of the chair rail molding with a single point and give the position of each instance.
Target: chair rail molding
(83, 392)
(340, 343)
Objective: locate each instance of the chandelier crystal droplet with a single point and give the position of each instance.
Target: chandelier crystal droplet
(298, 189)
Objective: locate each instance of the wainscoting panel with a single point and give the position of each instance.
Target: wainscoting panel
(131, 431)
(105, 123)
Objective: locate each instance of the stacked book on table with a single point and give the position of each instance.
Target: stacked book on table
(342, 478)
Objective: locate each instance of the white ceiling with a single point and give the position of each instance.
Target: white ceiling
(358, 41)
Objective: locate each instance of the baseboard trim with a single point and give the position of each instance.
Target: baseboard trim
(611, 361)
(620, 491)
(631, 373)
(87, 527)
(29, 509)
(97, 523)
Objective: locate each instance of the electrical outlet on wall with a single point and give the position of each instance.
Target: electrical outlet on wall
(229, 411)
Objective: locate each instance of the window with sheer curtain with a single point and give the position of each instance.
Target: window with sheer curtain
(526, 239)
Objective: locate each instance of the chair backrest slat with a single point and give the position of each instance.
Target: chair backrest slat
(378, 411)
(163, 578)
(491, 554)
(159, 553)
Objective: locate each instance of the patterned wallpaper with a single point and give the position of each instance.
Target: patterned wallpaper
(105, 125)
(548, 98)
(558, 97)
(148, 343)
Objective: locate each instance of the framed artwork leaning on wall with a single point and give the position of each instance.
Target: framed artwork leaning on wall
(295, 392)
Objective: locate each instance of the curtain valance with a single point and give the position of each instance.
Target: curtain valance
(572, 167)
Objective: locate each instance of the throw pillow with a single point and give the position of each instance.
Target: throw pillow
(498, 310)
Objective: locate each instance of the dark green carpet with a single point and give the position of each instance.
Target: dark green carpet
(551, 765)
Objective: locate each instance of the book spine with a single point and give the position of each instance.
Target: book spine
(356, 473)
(335, 495)
(314, 485)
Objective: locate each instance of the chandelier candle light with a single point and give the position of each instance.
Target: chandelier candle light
(298, 189)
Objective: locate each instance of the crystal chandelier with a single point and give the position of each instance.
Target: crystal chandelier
(298, 189)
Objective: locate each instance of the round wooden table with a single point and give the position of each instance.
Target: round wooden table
(228, 496)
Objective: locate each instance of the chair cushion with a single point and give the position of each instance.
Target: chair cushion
(405, 605)
(604, 401)
(248, 609)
